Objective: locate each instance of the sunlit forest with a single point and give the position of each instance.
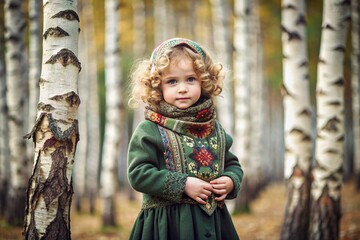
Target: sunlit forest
(290, 103)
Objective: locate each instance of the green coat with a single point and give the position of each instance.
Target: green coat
(167, 213)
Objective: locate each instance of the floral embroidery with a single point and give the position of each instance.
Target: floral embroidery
(199, 131)
(202, 156)
(188, 141)
(203, 114)
(213, 143)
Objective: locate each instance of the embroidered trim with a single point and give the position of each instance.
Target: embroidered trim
(174, 186)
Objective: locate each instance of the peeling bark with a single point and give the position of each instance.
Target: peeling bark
(55, 133)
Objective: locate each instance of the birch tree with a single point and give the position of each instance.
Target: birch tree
(242, 94)
(161, 26)
(14, 41)
(355, 87)
(55, 133)
(297, 119)
(256, 100)
(4, 149)
(114, 105)
(329, 153)
(222, 43)
(34, 61)
(79, 170)
(93, 109)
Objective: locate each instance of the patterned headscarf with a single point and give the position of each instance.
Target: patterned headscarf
(172, 42)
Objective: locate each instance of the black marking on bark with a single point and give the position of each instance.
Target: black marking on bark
(68, 15)
(328, 27)
(71, 98)
(340, 82)
(14, 5)
(322, 61)
(332, 151)
(289, 6)
(340, 139)
(55, 32)
(339, 48)
(301, 20)
(283, 90)
(42, 81)
(291, 35)
(345, 3)
(331, 125)
(58, 133)
(13, 38)
(334, 103)
(304, 63)
(305, 112)
(45, 107)
(65, 57)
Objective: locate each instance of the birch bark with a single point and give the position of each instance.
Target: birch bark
(14, 31)
(55, 133)
(34, 60)
(114, 105)
(4, 139)
(160, 21)
(355, 85)
(297, 119)
(82, 147)
(93, 109)
(327, 173)
(222, 43)
(242, 94)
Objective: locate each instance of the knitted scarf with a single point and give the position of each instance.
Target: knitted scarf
(197, 121)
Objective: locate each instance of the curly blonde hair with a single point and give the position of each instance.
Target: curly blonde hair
(146, 76)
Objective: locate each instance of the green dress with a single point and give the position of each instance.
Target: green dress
(164, 150)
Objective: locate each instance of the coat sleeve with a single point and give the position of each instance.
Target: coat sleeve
(232, 168)
(146, 166)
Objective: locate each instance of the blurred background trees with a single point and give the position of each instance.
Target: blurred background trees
(248, 37)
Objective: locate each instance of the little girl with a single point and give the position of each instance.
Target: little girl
(179, 156)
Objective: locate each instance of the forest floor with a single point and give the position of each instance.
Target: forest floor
(263, 223)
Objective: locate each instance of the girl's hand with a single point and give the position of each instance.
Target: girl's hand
(222, 186)
(198, 189)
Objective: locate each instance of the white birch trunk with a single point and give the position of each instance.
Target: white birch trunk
(256, 100)
(14, 27)
(93, 109)
(139, 51)
(297, 119)
(329, 153)
(161, 26)
(34, 62)
(4, 148)
(242, 94)
(114, 103)
(55, 133)
(139, 21)
(222, 43)
(355, 85)
(82, 147)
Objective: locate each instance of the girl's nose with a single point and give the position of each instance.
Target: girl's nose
(182, 88)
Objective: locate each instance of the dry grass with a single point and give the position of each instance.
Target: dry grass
(264, 221)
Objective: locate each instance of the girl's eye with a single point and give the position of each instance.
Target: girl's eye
(172, 81)
(191, 79)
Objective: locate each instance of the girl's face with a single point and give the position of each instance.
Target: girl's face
(180, 85)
